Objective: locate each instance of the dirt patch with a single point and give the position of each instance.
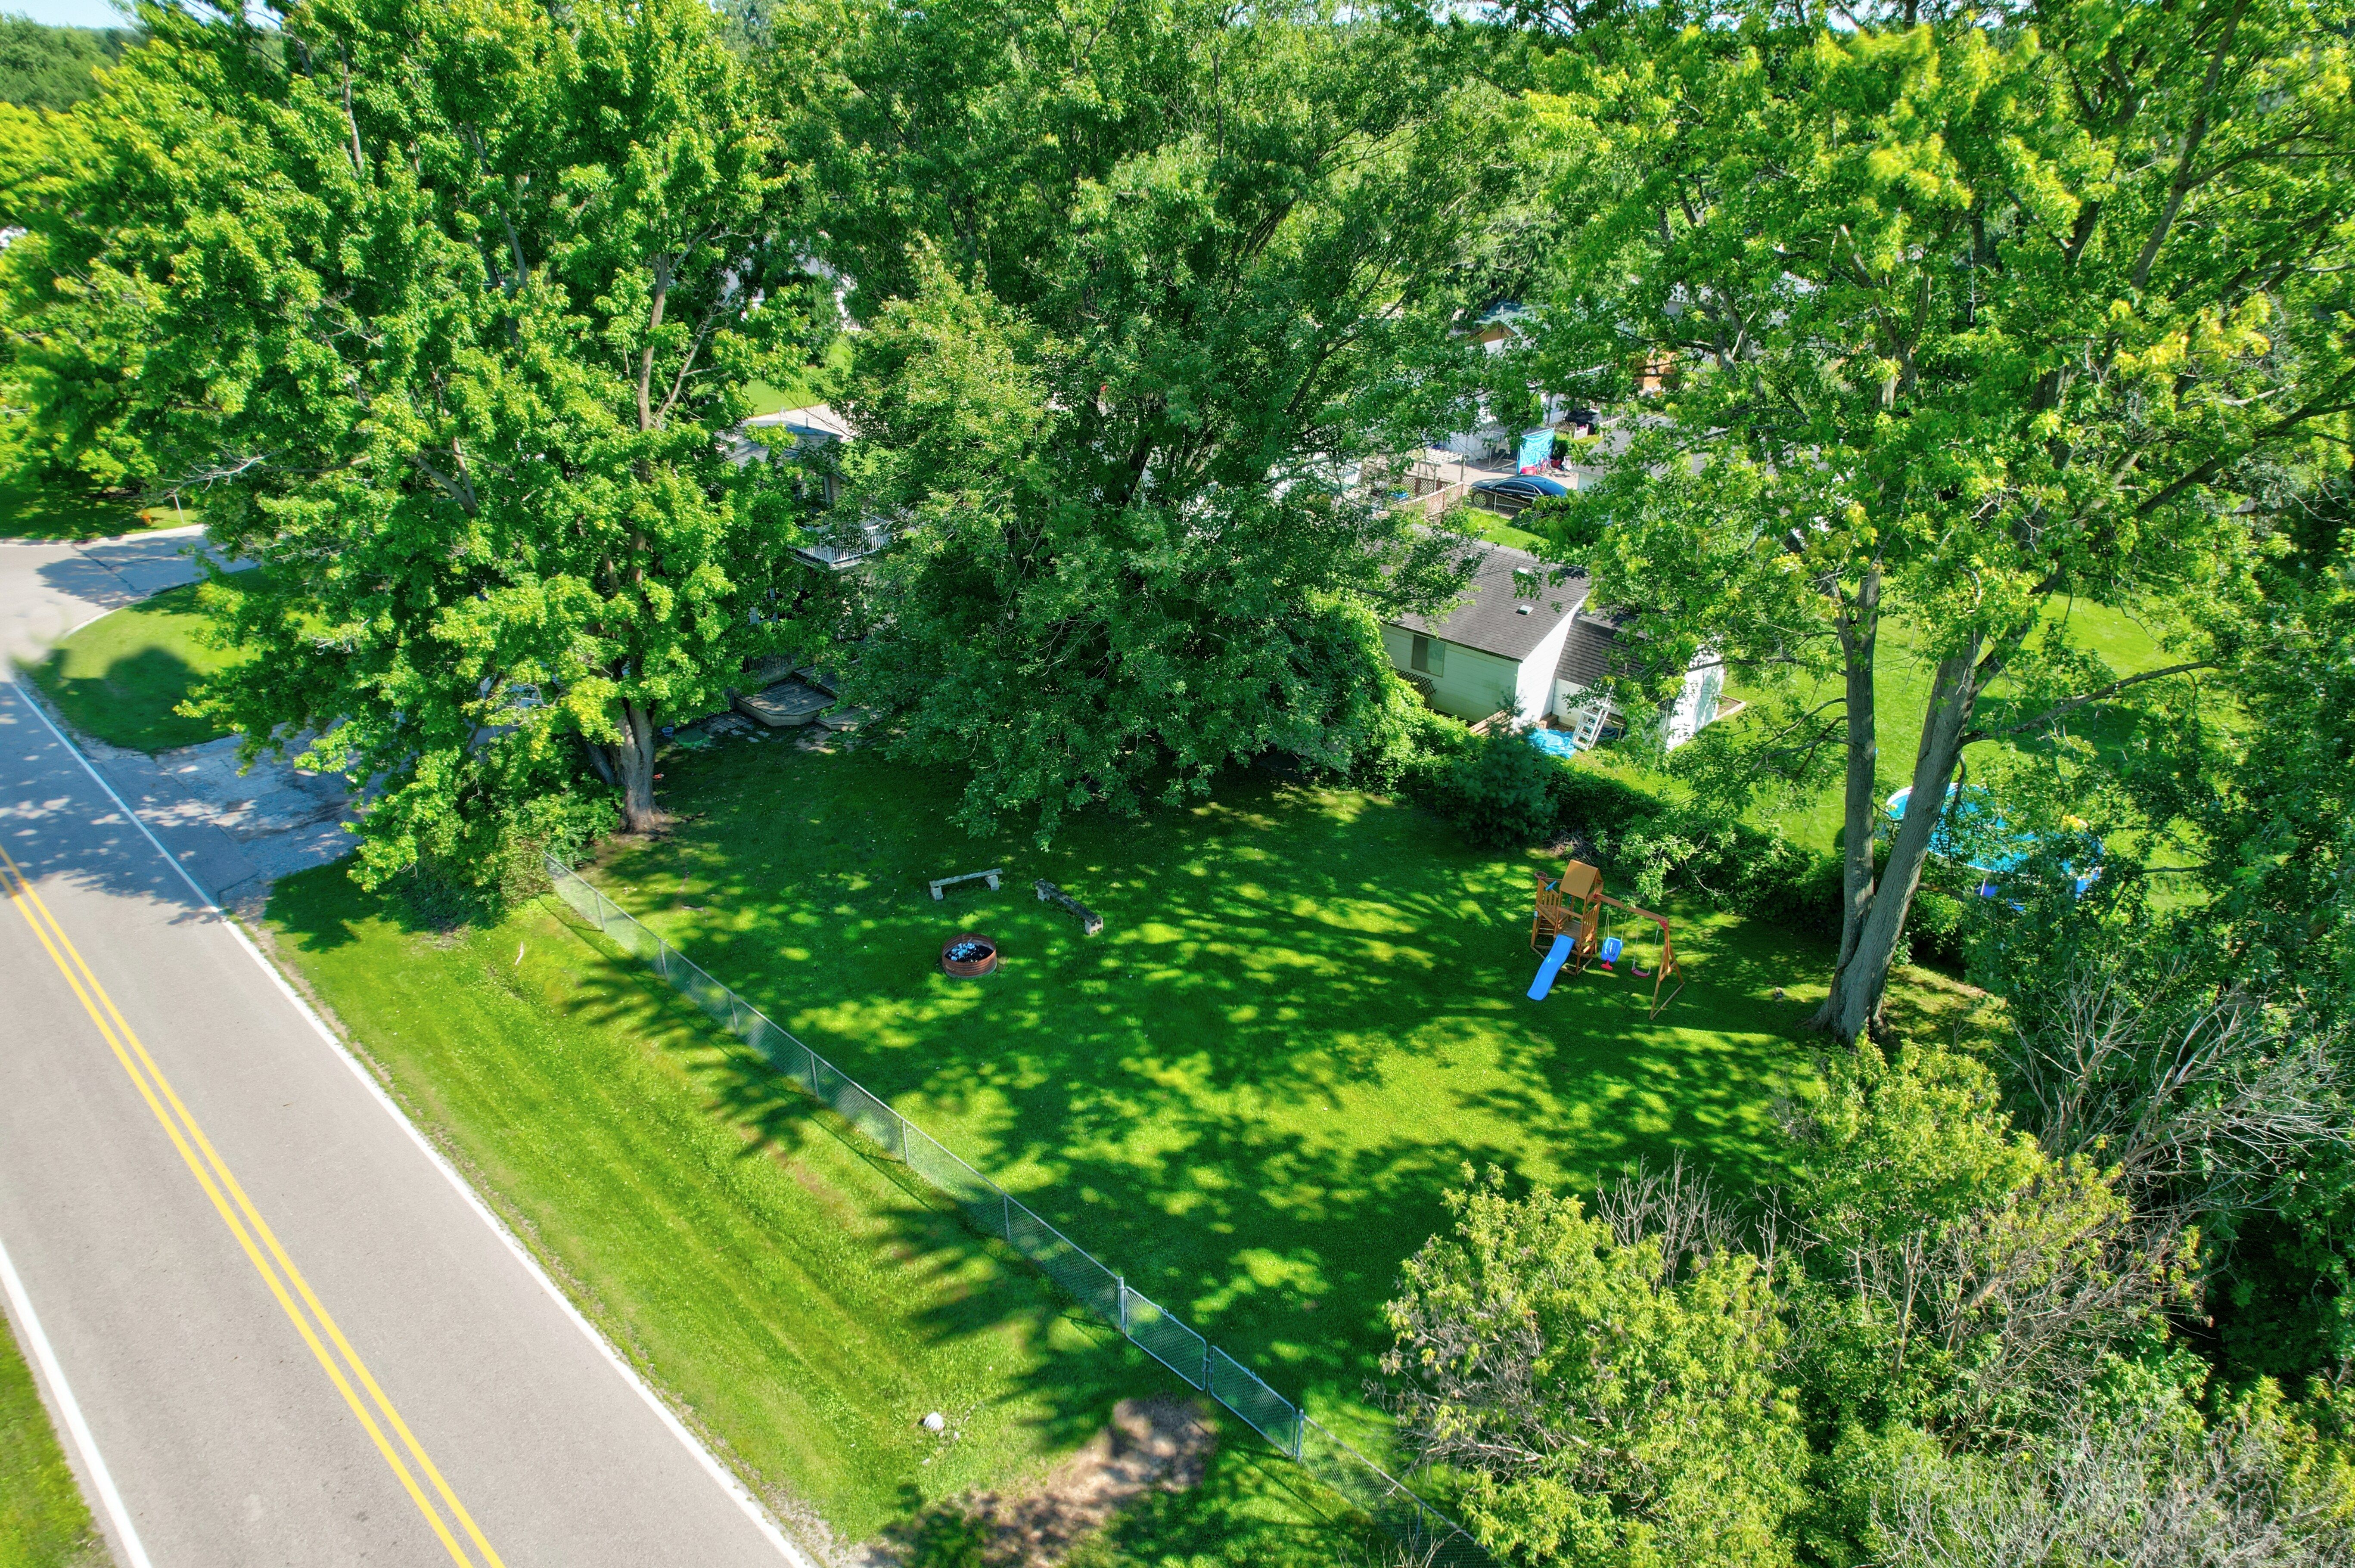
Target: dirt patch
(1151, 1445)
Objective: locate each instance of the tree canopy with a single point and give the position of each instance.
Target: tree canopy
(441, 309)
(52, 68)
(1613, 1391)
(1145, 289)
(1914, 327)
(1949, 324)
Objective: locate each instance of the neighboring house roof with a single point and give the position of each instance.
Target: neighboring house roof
(1489, 618)
(817, 421)
(756, 438)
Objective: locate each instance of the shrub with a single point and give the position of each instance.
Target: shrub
(1653, 847)
(1414, 752)
(1933, 931)
(1500, 790)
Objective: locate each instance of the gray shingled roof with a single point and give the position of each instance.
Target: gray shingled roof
(1591, 649)
(1488, 617)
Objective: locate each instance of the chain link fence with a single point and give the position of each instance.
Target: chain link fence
(990, 1208)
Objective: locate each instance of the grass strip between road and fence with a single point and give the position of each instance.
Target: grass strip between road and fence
(1160, 1333)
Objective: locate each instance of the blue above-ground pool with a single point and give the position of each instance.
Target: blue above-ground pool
(1992, 851)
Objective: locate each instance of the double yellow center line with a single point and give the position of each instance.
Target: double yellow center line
(261, 1247)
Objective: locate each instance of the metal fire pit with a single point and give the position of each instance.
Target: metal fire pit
(971, 966)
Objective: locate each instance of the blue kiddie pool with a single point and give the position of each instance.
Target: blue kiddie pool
(1986, 846)
(1554, 743)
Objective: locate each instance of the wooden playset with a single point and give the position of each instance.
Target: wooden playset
(1574, 907)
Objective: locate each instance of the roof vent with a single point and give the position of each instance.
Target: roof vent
(1521, 609)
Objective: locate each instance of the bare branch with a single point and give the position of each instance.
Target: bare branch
(2075, 703)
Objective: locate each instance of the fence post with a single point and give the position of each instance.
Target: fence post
(1006, 1216)
(1120, 1283)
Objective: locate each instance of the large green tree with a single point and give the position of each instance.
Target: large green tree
(1609, 1386)
(1925, 326)
(55, 68)
(442, 308)
(1145, 287)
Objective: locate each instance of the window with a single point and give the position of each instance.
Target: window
(1427, 656)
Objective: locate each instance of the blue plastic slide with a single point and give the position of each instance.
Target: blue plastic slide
(1554, 958)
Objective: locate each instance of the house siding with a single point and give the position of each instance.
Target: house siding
(1533, 692)
(1473, 685)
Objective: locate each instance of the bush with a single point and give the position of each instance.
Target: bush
(1414, 752)
(1933, 931)
(1595, 804)
(1654, 846)
(1500, 790)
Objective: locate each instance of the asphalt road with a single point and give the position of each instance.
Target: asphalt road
(294, 1338)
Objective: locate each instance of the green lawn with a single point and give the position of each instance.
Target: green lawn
(120, 676)
(43, 1521)
(1497, 528)
(32, 507)
(802, 1302)
(812, 385)
(1303, 1020)
(1902, 695)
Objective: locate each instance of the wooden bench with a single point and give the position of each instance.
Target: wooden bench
(990, 875)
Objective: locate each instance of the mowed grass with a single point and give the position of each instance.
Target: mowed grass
(1303, 1019)
(36, 506)
(801, 1301)
(121, 677)
(811, 384)
(1901, 698)
(43, 1520)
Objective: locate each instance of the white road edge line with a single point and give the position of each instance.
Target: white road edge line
(28, 1322)
(750, 1505)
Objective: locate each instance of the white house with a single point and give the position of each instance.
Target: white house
(810, 429)
(1516, 642)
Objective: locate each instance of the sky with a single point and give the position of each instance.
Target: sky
(66, 13)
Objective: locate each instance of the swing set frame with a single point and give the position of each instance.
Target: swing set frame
(1576, 904)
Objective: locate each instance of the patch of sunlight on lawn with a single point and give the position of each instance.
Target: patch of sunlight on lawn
(1303, 1020)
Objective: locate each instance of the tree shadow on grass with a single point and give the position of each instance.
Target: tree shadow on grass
(32, 507)
(129, 703)
(1303, 1022)
(1253, 1507)
(798, 1291)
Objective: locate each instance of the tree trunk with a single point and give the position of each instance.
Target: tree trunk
(633, 764)
(1862, 978)
(1860, 634)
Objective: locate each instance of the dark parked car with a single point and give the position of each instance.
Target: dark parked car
(1508, 496)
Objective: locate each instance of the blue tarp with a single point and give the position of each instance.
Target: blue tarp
(1537, 449)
